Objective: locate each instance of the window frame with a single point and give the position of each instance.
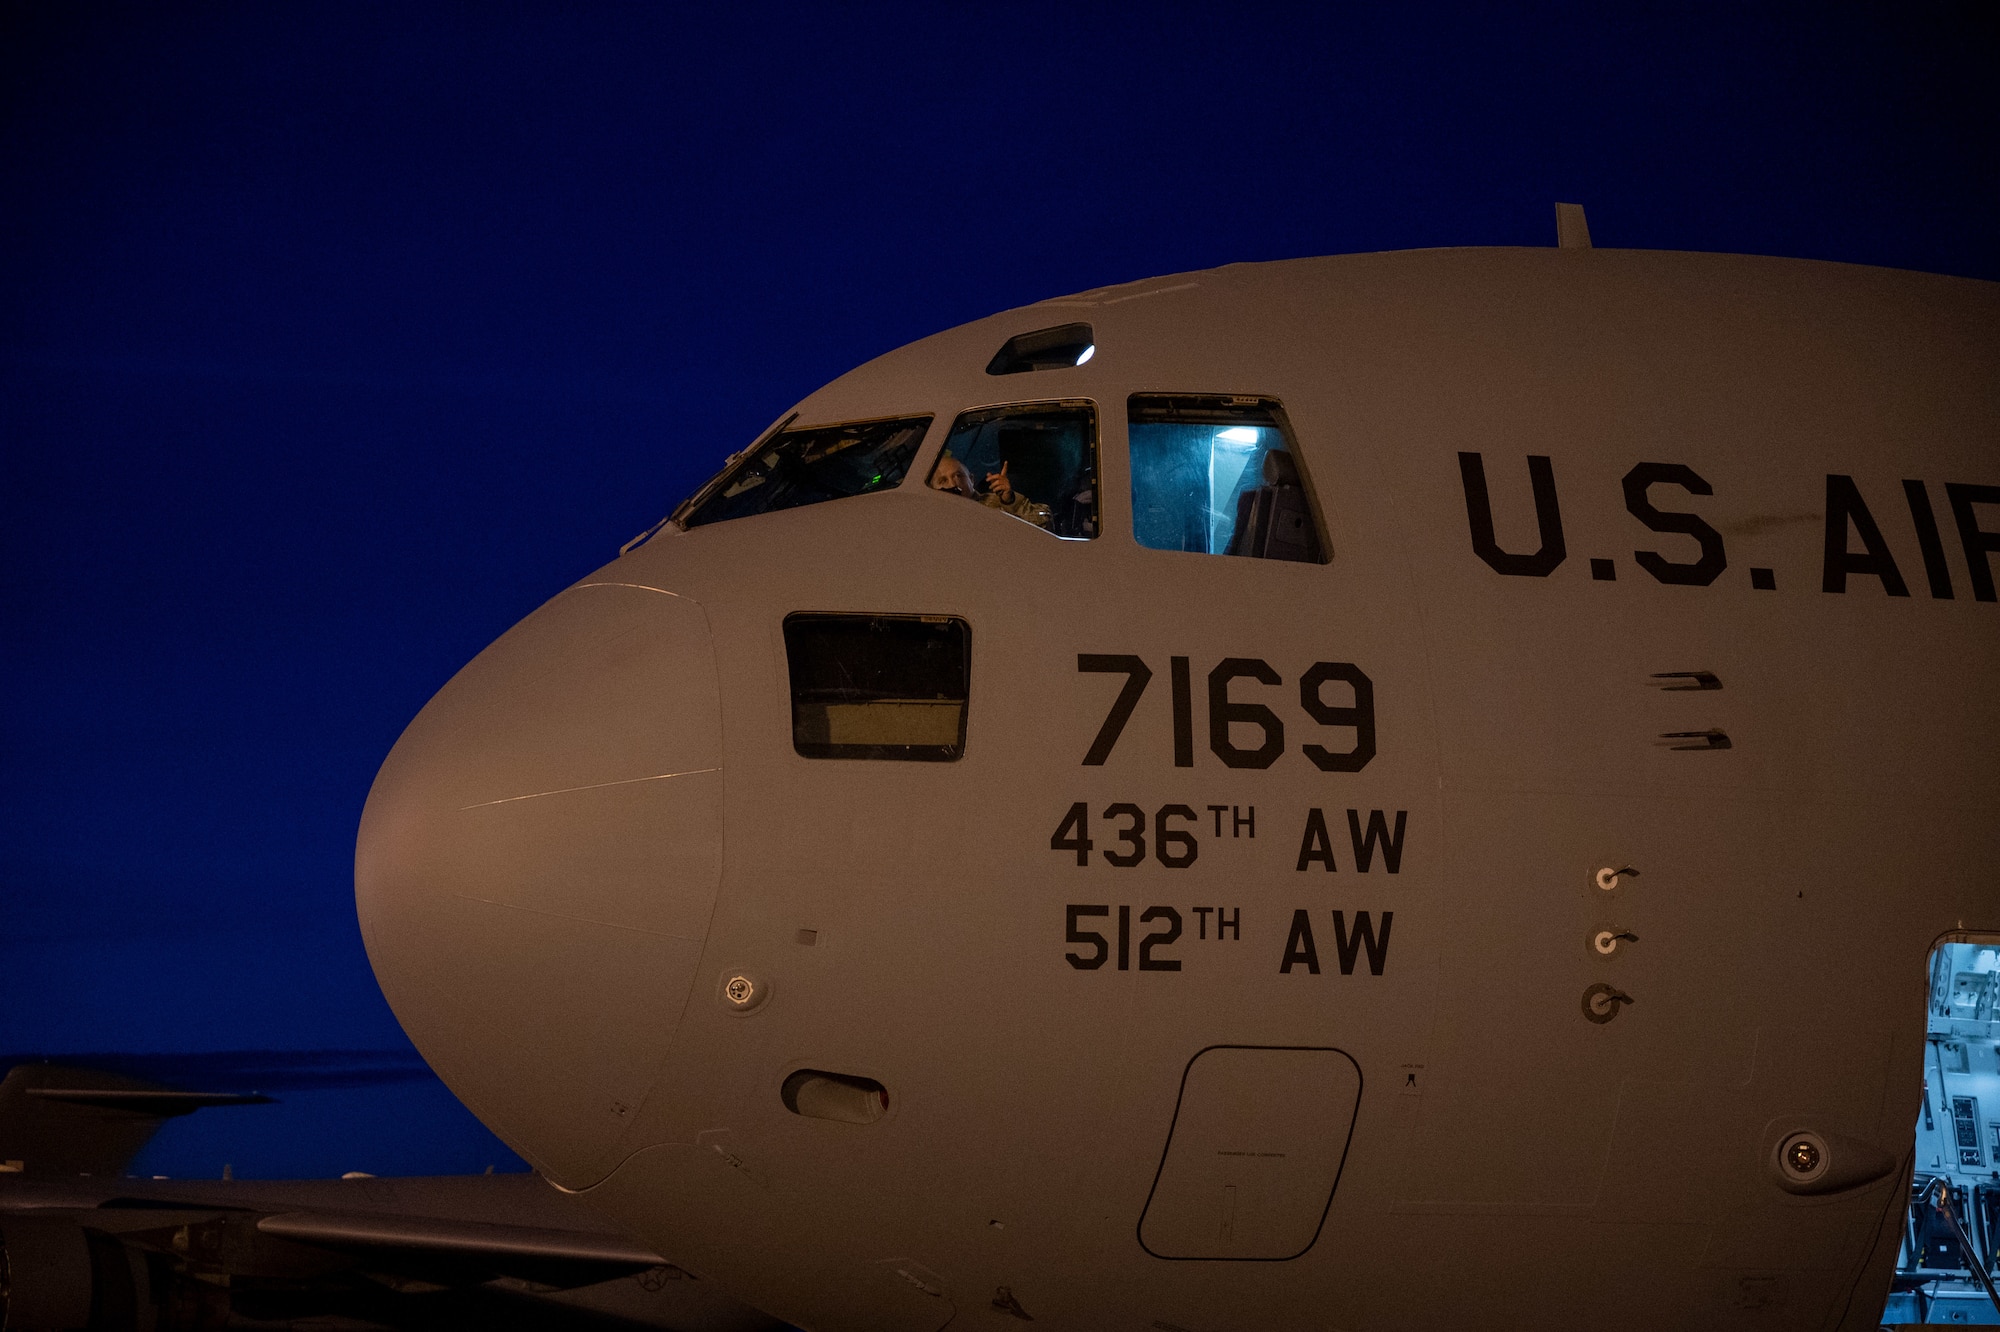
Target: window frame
(789, 690)
(739, 459)
(1096, 410)
(1267, 402)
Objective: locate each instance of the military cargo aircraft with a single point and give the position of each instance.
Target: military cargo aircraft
(1396, 791)
(84, 1245)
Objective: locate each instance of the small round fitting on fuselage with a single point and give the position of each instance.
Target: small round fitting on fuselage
(739, 991)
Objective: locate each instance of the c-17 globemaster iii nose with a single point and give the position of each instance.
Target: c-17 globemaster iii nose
(538, 861)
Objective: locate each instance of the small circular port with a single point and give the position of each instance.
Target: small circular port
(1803, 1160)
(741, 992)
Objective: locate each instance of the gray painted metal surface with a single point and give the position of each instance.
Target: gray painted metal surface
(1572, 1097)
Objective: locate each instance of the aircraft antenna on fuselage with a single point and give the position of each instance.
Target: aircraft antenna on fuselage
(1572, 232)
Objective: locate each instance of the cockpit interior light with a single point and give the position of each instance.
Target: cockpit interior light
(1246, 435)
(1086, 353)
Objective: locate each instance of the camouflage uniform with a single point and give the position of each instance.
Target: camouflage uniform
(1020, 506)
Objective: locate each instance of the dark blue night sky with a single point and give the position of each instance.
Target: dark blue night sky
(335, 338)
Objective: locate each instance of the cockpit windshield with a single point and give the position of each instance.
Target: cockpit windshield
(1035, 461)
(808, 466)
(1218, 476)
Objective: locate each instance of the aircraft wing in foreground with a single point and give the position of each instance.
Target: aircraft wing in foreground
(85, 1246)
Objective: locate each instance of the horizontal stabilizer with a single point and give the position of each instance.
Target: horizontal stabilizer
(61, 1119)
(436, 1247)
(277, 1071)
(348, 1230)
(158, 1103)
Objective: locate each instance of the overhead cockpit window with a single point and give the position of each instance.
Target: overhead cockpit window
(878, 686)
(808, 466)
(1219, 476)
(1044, 349)
(1036, 462)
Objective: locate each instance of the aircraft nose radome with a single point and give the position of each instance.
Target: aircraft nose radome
(538, 861)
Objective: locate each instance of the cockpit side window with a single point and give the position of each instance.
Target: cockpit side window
(878, 686)
(1036, 461)
(809, 466)
(1219, 476)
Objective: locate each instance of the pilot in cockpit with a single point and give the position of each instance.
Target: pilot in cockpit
(953, 475)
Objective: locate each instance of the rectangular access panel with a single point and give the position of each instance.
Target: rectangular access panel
(1254, 1153)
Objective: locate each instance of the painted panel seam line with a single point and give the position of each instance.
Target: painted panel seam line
(594, 786)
